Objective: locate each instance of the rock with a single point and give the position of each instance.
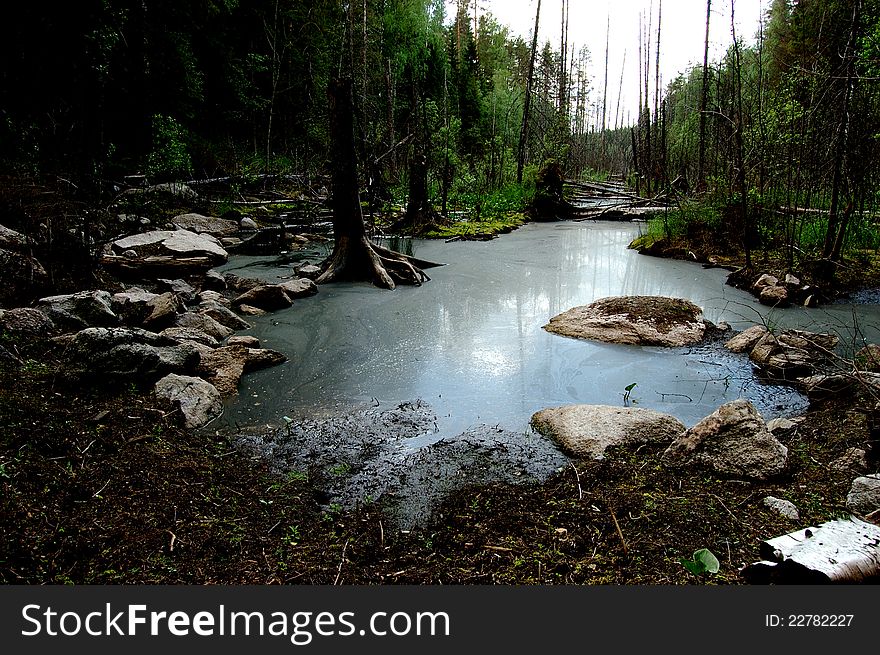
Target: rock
(173, 243)
(181, 334)
(258, 358)
(225, 366)
(213, 281)
(791, 280)
(250, 310)
(765, 281)
(854, 459)
(80, 310)
(172, 190)
(248, 223)
(746, 340)
(162, 310)
(25, 321)
(820, 387)
(588, 430)
(131, 305)
(780, 425)
(811, 301)
(199, 401)
(633, 320)
(12, 240)
(230, 242)
(203, 323)
(868, 358)
(774, 296)
(129, 254)
(792, 354)
(299, 288)
(223, 315)
(213, 296)
(200, 224)
(180, 288)
(864, 495)
(21, 276)
(270, 297)
(307, 270)
(785, 507)
(245, 340)
(732, 441)
(111, 353)
(242, 284)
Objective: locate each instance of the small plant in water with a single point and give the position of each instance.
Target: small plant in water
(627, 390)
(704, 561)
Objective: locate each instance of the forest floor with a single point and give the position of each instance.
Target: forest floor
(101, 485)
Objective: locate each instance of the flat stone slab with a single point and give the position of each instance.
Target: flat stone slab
(588, 430)
(633, 320)
(174, 243)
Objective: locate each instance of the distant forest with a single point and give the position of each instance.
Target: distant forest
(99, 89)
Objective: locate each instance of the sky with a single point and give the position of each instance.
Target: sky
(681, 38)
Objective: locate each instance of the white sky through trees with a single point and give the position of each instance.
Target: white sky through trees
(681, 38)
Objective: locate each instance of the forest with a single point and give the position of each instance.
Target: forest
(173, 174)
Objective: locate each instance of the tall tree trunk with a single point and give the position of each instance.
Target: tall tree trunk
(739, 148)
(524, 131)
(704, 100)
(354, 257)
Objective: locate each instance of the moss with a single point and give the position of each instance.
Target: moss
(478, 229)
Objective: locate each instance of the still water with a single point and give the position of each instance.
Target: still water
(470, 343)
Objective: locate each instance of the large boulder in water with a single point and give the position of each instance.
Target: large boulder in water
(633, 320)
(732, 441)
(219, 227)
(588, 430)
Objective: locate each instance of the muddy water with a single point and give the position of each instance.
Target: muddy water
(470, 342)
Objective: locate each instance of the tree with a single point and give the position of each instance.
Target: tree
(354, 256)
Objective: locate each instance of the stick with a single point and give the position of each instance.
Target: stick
(619, 531)
(341, 562)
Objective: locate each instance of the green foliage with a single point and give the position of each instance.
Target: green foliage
(169, 157)
(703, 562)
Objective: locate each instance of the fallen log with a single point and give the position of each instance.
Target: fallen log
(841, 551)
(157, 263)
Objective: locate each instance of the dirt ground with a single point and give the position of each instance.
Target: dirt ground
(101, 486)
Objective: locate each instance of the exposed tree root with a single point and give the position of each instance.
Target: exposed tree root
(362, 259)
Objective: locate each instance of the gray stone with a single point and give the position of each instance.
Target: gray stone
(213, 281)
(781, 425)
(213, 296)
(250, 310)
(270, 297)
(633, 320)
(242, 284)
(225, 365)
(765, 281)
(245, 340)
(248, 223)
(162, 310)
(203, 323)
(175, 190)
(854, 459)
(746, 340)
(200, 224)
(308, 270)
(173, 243)
(791, 280)
(25, 321)
(785, 507)
(180, 288)
(110, 353)
(774, 296)
(864, 495)
(588, 430)
(223, 315)
(732, 441)
(80, 310)
(199, 401)
(12, 240)
(181, 334)
(299, 288)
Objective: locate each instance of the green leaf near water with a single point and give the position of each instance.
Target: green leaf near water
(704, 561)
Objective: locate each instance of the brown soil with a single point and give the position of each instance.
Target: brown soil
(101, 486)
(665, 313)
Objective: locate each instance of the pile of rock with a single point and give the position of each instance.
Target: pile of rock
(791, 355)
(20, 272)
(775, 293)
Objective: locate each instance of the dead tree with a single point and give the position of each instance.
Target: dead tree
(354, 256)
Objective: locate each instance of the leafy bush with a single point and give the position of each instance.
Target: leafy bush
(169, 157)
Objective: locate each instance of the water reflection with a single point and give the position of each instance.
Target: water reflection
(470, 341)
